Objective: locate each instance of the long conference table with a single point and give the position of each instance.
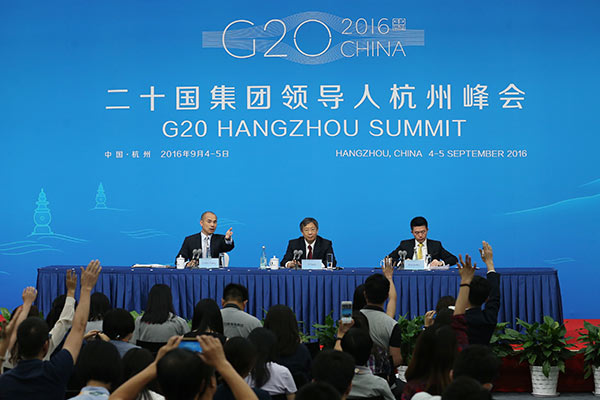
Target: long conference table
(526, 293)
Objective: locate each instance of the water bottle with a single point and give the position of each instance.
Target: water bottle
(263, 258)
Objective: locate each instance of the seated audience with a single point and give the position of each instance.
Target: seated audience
(134, 361)
(241, 354)
(99, 369)
(99, 305)
(292, 354)
(34, 378)
(336, 368)
(183, 374)
(438, 345)
(236, 322)
(267, 375)
(207, 319)
(118, 325)
(358, 344)
(465, 388)
(481, 323)
(384, 330)
(478, 362)
(159, 322)
(318, 391)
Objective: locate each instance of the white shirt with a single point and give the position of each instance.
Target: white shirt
(423, 249)
(280, 382)
(205, 245)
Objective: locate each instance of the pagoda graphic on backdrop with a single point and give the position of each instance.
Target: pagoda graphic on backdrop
(100, 198)
(42, 216)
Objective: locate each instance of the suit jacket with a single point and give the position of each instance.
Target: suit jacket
(434, 247)
(217, 245)
(320, 249)
(482, 323)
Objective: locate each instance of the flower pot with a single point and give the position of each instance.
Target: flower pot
(542, 386)
(597, 381)
(401, 371)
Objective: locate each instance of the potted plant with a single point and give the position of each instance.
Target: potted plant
(409, 330)
(502, 340)
(591, 353)
(326, 332)
(544, 347)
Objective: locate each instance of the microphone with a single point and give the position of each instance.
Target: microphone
(298, 254)
(196, 254)
(402, 254)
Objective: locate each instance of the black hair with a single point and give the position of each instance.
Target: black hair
(480, 291)
(444, 317)
(360, 320)
(55, 310)
(465, 388)
(235, 292)
(207, 316)
(318, 391)
(358, 300)
(281, 320)
(358, 343)
(377, 288)
(33, 311)
(99, 305)
(182, 375)
(444, 302)
(418, 221)
(478, 362)
(160, 305)
(135, 361)
(308, 220)
(117, 324)
(265, 342)
(31, 336)
(334, 367)
(433, 358)
(99, 361)
(241, 354)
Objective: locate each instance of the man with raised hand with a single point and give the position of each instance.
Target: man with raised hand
(34, 378)
(207, 243)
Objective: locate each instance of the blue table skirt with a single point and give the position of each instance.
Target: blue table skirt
(527, 293)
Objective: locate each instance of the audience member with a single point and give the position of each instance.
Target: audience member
(318, 391)
(183, 374)
(478, 362)
(359, 301)
(236, 322)
(465, 388)
(437, 346)
(118, 325)
(482, 323)
(267, 375)
(8, 331)
(99, 305)
(159, 322)
(384, 330)
(292, 354)
(207, 318)
(241, 354)
(336, 368)
(99, 369)
(34, 378)
(357, 342)
(134, 361)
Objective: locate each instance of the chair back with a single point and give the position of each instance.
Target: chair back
(153, 347)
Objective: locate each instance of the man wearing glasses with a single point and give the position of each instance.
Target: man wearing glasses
(310, 244)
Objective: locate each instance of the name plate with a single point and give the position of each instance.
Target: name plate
(208, 263)
(312, 264)
(414, 265)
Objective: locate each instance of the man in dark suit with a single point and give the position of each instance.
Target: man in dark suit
(207, 243)
(310, 243)
(481, 323)
(420, 246)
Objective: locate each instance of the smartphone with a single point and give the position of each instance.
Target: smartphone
(346, 312)
(190, 344)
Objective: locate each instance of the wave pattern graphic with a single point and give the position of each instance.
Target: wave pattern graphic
(226, 222)
(58, 236)
(108, 209)
(576, 201)
(24, 247)
(144, 233)
(561, 260)
(594, 182)
(264, 39)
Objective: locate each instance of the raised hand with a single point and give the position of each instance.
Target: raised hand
(212, 351)
(487, 255)
(465, 269)
(229, 234)
(429, 320)
(29, 295)
(89, 276)
(171, 344)
(71, 282)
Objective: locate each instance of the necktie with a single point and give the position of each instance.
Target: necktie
(420, 252)
(207, 253)
(309, 252)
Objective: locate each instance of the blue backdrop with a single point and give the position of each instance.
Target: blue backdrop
(122, 122)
